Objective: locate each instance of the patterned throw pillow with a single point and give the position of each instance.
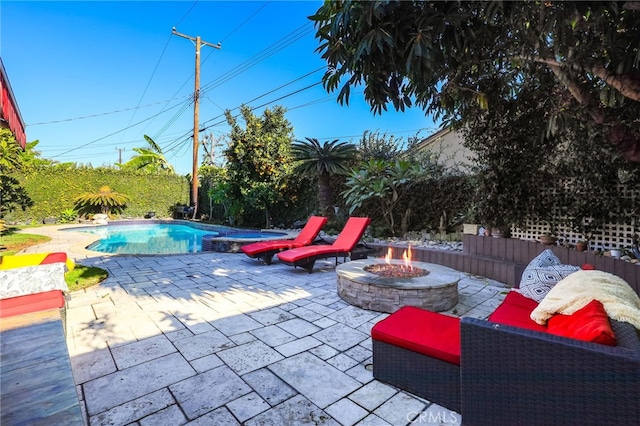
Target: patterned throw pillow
(542, 273)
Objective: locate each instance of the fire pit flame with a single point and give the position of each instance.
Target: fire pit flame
(388, 256)
(406, 256)
(394, 270)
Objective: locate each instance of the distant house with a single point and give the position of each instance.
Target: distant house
(447, 143)
(10, 117)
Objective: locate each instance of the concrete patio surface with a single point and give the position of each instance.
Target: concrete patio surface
(222, 339)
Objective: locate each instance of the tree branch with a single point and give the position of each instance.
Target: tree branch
(627, 84)
(582, 96)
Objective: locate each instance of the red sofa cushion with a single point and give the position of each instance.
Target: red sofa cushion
(425, 332)
(515, 310)
(31, 303)
(589, 323)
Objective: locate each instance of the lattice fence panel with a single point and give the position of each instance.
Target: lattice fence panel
(612, 236)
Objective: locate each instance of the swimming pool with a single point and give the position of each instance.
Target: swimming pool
(159, 237)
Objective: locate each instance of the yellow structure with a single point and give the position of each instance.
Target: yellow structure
(22, 260)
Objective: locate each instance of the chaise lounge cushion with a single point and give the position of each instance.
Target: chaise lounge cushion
(590, 324)
(342, 246)
(542, 273)
(425, 332)
(515, 310)
(260, 247)
(304, 238)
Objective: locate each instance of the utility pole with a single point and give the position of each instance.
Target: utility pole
(196, 111)
(120, 154)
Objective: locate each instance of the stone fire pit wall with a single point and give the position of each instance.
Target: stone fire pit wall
(437, 291)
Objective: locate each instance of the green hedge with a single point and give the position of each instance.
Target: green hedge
(54, 189)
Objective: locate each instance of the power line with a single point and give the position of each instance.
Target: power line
(186, 134)
(261, 56)
(111, 134)
(272, 91)
(177, 115)
(244, 22)
(276, 47)
(98, 115)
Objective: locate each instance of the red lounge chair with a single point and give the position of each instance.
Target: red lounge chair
(266, 249)
(305, 257)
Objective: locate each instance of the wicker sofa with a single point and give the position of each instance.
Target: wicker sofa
(509, 374)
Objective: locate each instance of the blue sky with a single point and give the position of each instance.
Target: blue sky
(118, 64)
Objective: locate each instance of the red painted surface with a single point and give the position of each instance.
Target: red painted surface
(31, 303)
(9, 108)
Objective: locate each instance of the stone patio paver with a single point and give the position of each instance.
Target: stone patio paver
(221, 339)
(269, 386)
(401, 409)
(124, 385)
(346, 412)
(141, 351)
(294, 411)
(249, 357)
(300, 345)
(135, 409)
(320, 382)
(340, 336)
(207, 391)
(199, 345)
(372, 395)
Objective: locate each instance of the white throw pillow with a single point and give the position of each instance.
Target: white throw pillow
(542, 273)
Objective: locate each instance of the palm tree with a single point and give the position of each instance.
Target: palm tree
(105, 198)
(323, 161)
(149, 159)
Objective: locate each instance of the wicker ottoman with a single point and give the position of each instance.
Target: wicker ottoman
(419, 351)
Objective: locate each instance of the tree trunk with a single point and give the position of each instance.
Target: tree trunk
(325, 195)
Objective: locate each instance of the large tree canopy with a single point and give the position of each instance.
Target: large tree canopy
(259, 165)
(437, 55)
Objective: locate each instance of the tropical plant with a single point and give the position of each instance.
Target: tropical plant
(385, 182)
(12, 195)
(322, 161)
(105, 199)
(149, 159)
(30, 159)
(68, 216)
(436, 55)
(9, 151)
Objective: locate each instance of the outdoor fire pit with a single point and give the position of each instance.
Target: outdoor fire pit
(387, 285)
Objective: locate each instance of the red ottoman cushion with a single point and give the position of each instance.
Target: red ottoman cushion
(515, 310)
(425, 332)
(31, 303)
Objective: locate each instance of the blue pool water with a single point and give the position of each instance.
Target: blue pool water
(161, 238)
